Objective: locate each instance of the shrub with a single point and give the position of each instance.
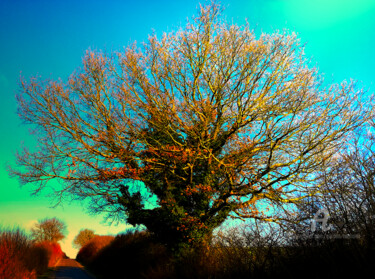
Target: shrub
(53, 250)
(134, 254)
(14, 254)
(88, 252)
(38, 259)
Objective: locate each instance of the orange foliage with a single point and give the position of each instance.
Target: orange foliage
(119, 173)
(14, 255)
(199, 189)
(54, 251)
(12, 264)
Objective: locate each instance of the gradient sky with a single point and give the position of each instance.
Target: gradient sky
(48, 38)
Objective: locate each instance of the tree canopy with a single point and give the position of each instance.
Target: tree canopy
(48, 229)
(209, 121)
(83, 237)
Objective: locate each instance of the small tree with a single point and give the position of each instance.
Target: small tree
(208, 122)
(84, 236)
(49, 229)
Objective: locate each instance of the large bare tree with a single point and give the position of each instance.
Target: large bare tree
(191, 128)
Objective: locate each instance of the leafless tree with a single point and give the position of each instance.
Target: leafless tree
(49, 229)
(199, 125)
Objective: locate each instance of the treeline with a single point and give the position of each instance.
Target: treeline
(259, 250)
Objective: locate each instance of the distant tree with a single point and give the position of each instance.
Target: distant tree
(209, 122)
(49, 229)
(84, 236)
(348, 189)
(345, 204)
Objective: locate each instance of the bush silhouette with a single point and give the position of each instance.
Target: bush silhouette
(88, 252)
(132, 255)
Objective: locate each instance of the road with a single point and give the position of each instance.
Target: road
(70, 269)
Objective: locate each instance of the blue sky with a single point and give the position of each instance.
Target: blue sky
(48, 38)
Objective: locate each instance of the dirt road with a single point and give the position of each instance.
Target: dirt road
(69, 268)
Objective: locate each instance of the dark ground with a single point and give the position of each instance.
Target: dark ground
(69, 268)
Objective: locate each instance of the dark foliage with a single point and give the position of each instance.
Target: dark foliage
(88, 252)
(131, 255)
